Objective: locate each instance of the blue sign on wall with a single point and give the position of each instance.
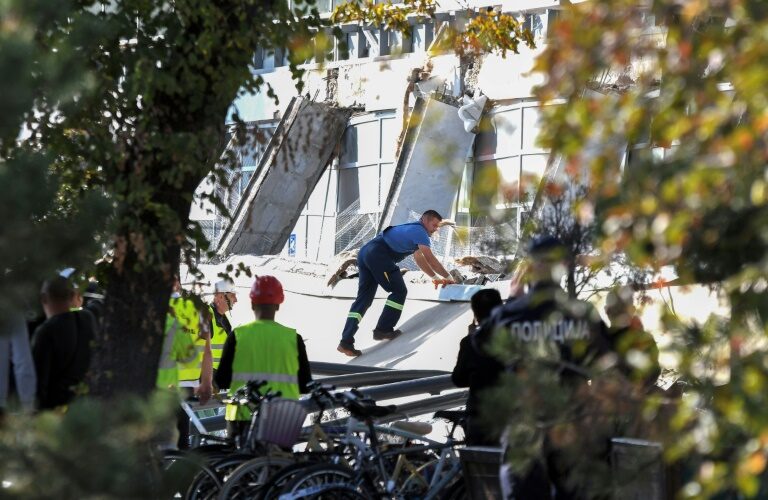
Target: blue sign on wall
(292, 245)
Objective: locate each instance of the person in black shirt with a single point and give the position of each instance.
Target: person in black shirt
(476, 370)
(61, 345)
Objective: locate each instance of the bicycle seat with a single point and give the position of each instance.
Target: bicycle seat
(454, 416)
(362, 409)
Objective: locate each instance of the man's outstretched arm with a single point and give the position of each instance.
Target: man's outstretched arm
(429, 263)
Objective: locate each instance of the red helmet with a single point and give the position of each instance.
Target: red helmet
(267, 290)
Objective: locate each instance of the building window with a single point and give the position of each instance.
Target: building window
(366, 165)
(509, 164)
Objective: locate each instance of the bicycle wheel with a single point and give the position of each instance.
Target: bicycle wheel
(246, 480)
(181, 470)
(203, 488)
(318, 478)
(271, 489)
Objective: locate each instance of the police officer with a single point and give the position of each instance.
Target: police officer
(545, 330)
(377, 263)
(262, 350)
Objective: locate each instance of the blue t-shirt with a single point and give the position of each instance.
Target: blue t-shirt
(406, 238)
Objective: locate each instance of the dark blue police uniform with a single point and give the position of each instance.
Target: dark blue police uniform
(377, 262)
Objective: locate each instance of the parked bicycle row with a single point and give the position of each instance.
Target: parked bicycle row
(343, 453)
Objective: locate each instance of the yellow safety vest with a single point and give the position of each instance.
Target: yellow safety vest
(265, 350)
(189, 319)
(177, 346)
(218, 337)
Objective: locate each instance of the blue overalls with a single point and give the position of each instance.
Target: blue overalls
(377, 263)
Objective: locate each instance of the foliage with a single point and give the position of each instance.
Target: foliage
(40, 231)
(686, 97)
(138, 122)
(93, 450)
(492, 31)
(393, 17)
(488, 30)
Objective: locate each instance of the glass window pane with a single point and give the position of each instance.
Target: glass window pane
(368, 142)
(533, 167)
(361, 143)
(485, 141)
(509, 180)
(385, 182)
(349, 146)
(368, 178)
(507, 125)
(485, 186)
(388, 138)
(531, 127)
(349, 188)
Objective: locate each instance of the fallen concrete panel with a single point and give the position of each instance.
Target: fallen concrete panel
(296, 158)
(430, 163)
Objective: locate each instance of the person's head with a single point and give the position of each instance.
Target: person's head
(176, 284)
(547, 257)
(266, 296)
(56, 296)
(224, 297)
(483, 302)
(431, 221)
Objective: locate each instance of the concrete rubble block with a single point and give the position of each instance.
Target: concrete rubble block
(481, 264)
(296, 157)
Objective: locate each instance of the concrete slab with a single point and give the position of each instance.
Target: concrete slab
(296, 157)
(430, 163)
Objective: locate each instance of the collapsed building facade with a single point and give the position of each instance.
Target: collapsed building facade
(380, 133)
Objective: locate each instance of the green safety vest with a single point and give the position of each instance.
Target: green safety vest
(218, 337)
(177, 346)
(186, 312)
(265, 350)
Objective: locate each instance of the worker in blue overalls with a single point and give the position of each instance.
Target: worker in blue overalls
(377, 262)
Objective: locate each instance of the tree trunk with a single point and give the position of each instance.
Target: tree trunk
(127, 351)
(571, 279)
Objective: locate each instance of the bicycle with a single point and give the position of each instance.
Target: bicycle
(377, 469)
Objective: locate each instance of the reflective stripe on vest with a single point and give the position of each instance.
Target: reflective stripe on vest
(264, 350)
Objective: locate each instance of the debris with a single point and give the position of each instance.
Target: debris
(456, 276)
(481, 264)
(341, 262)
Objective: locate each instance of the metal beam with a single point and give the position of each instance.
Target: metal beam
(425, 385)
(323, 368)
(379, 377)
